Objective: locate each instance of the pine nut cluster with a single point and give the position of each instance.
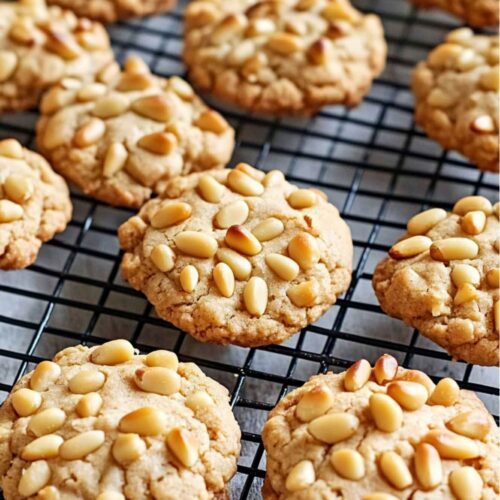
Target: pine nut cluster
(116, 410)
(457, 96)
(41, 45)
(129, 132)
(242, 242)
(242, 50)
(381, 433)
(461, 252)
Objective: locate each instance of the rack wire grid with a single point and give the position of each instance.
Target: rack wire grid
(371, 161)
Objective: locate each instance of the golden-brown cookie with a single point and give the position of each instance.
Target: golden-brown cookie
(442, 278)
(385, 433)
(109, 11)
(107, 424)
(41, 45)
(34, 204)
(120, 137)
(238, 256)
(288, 56)
(457, 100)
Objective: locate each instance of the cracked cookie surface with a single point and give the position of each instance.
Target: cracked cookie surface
(474, 12)
(34, 204)
(385, 433)
(107, 424)
(442, 278)
(457, 100)
(238, 256)
(282, 57)
(120, 137)
(41, 45)
(109, 11)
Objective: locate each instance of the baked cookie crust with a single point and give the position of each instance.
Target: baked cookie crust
(238, 256)
(109, 11)
(34, 204)
(477, 13)
(41, 45)
(442, 278)
(456, 96)
(118, 138)
(107, 424)
(387, 433)
(283, 57)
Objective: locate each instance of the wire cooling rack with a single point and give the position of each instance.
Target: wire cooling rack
(373, 163)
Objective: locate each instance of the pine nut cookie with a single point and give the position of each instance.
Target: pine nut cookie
(457, 100)
(474, 12)
(118, 138)
(41, 45)
(442, 278)
(34, 204)
(238, 256)
(107, 424)
(109, 11)
(283, 56)
(385, 433)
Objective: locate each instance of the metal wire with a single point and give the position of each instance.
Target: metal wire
(373, 163)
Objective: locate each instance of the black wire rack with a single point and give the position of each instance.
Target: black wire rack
(371, 161)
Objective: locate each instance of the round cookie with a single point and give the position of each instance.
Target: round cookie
(238, 256)
(106, 424)
(109, 11)
(442, 278)
(457, 100)
(41, 45)
(385, 433)
(119, 138)
(280, 57)
(473, 12)
(34, 204)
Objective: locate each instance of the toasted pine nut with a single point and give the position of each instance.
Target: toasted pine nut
(155, 107)
(11, 148)
(10, 211)
(233, 214)
(144, 421)
(465, 293)
(314, 403)
(302, 198)
(473, 222)
(454, 249)
(46, 422)
(251, 171)
(472, 203)
(44, 447)
(348, 463)
(255, 296)
(319, 52)
(303, 249)
(183, 446)
(48, 493)
(446, 392)
(115, 159)
(171, 214)
(127, 448)
(163, 257)
(91, 92)
(211, 121)
(465, 273)
(334, 427)
(357, 375)
(304, 294)
(386, 412)
(199, 400)
(224, 279)
(89, 133)
(110, 106)
(466, 483)
(395, 470)
(44, 375)
(242, 240)
(286, 268)
(419, 377)
(196, 244)
(181, 88)
(135, 81)
(110, 495)
(158, 379)
(189, 278)
(166, 359)
(243, 184)
(273, 178)
(89, 405)
(25, 401)
(428, 467)
(158, 143)
(334, 12)
(34, 478)
(18, 188)
(474, 424)
(410, 247)
(81, 445)
(284, 43)
(493, 277)
(134, 64)
(409, 395)
(113, 352)
(424, 221)
(452, 446)
(268, 229)
(240, 266)
(86, 381)
(385, 369)
(300, 476)
(210, 189)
